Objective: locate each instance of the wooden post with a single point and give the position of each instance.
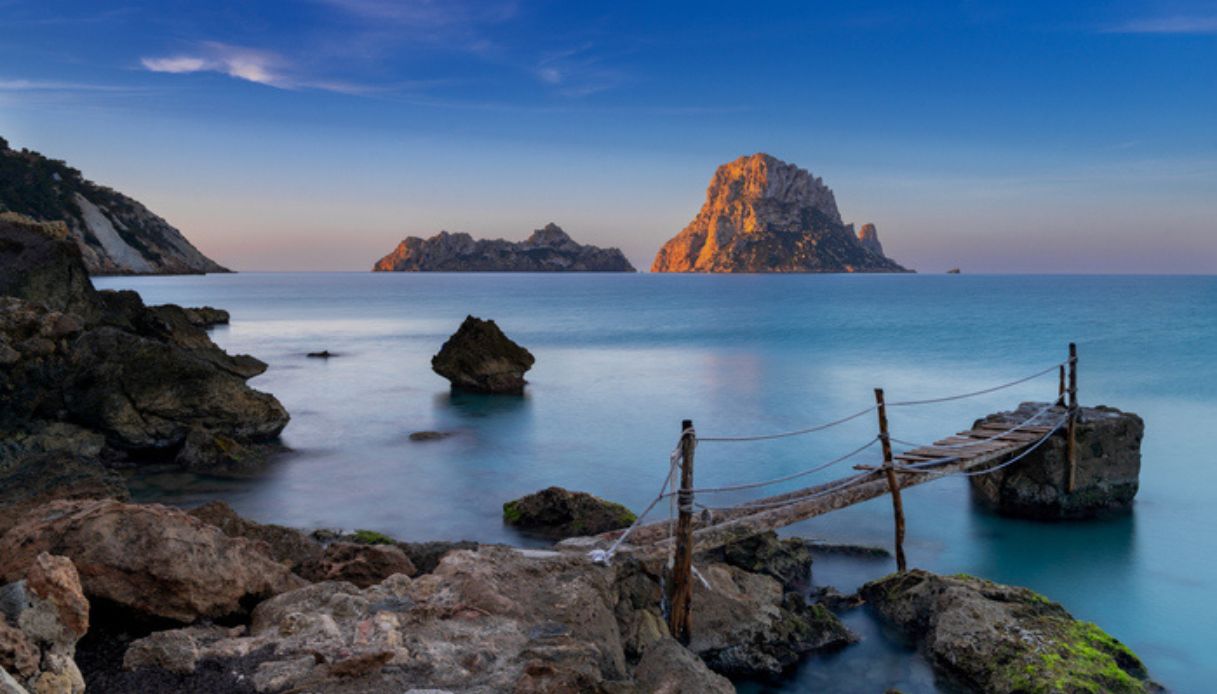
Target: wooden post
(1071, 482)
(680, 588)
(892, 483)
(1060, 389)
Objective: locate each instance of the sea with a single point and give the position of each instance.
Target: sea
(622, 359)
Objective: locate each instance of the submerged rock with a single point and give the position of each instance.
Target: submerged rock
(1108, 467)
(431, 435)
(989, 637)
(480, 358)
(149, 559)
(559, 513)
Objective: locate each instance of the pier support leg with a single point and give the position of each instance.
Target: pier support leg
(1071, 482)
(680, 588)
(892, 483)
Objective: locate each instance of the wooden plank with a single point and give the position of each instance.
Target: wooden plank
(1000, 426)
(1011, 436)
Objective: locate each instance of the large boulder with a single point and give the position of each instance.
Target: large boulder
(149, 559)
(788, 560)
(360, 564)
(42, 616)
(148, 380)
(559, 513)
(481, 359)
(1108, 468)
(667, 667)
(988, 637)
(286, 545)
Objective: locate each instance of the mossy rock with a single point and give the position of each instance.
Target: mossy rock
(371, 537)
(558, 513)
(990, 637)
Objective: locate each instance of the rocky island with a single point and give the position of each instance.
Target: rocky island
(546, 250)
(764, 215)
(116, 235)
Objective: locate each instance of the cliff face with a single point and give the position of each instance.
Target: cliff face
(547, 250)
(764, 215)
(116, 234)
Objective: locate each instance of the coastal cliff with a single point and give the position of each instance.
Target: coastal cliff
(116, 235)
(546, 250)
(764, 215)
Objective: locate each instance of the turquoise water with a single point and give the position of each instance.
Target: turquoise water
(621, 359)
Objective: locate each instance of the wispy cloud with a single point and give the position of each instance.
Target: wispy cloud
(248, 64)
(1179, 24)
(9, 85)
(577, 72)
(428, 13)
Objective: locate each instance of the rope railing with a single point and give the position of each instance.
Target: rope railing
(925, 466)
(787, 434)
(979, 442)
(985, 391)
(785, 478)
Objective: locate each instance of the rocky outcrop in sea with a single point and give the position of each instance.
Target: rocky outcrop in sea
(116, 235)
(559, 513)
(479, 358)
(764, 215)
(100, 376)
(546, 250)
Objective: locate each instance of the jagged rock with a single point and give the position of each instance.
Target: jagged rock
(669, 668)
(148, 380)
(788, 561)
(1108, 467)
(868, 236)
(744, 624)
(764, 215)
(287, 545)
(150, 559)
(114, 234)
(546, 250)
(559, 513)
(480, 358)
(361, 564)
(42, 616)
(40, 478)
(426, 556)
(989, 637)
(207, 316)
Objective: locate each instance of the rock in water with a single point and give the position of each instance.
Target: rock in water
(764, 215)
(115, 234)
(558, 513)
(990, 637)
(1108, 467)
(99, 374)
(547, 250)
(481, 359)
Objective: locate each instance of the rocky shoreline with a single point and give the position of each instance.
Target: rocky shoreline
(100, 593)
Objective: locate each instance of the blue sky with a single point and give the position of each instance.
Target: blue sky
(315, 134)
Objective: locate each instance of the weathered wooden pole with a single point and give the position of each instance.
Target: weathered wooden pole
(893, 485)
(1071, 483)
(680, 588)
(1060, 389)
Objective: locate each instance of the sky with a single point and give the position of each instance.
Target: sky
(1019, 136)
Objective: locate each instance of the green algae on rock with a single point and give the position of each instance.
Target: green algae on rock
(559, 513)
(990, 637)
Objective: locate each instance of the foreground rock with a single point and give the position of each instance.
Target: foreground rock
(150, 560)
(1108, 467)
(559, 513)
(787, 560)
(481, 359)
(764, 215)
(547, 250)
(115, 234)
(42, 616)
(145, 382)
(484, 621)
(988, 637)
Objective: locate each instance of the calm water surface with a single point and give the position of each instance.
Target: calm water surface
(621, 359)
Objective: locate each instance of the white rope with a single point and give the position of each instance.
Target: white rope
(604, 556)
(757, 505)
(977, 442)
(923, 467)
(787, 478)
(785, 434)
(961, 396)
